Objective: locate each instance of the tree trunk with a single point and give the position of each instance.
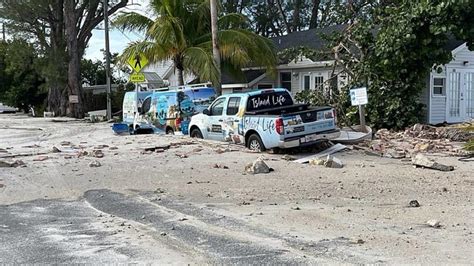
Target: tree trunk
(215, 46)
(313, 22)
(296, 16)
(283, 16)
(74, 64)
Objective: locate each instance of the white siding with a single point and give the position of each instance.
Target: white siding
(438, 110)
(461, 56)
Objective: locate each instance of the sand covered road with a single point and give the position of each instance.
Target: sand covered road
(297, 213)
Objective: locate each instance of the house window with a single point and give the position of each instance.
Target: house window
(285, 80)
(439, 86)
(318, 82)
(306, 82)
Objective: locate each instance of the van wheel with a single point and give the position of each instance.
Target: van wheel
(255, 143)
(169, 131)
(196, 133)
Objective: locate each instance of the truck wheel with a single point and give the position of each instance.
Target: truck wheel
(255, 143)
(169, 131)
(196, 133)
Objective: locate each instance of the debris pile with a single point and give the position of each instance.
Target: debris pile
(419, 138)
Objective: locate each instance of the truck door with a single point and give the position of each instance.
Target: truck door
(216, 118)
(232, 119)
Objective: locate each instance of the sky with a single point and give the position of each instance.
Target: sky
(118, 40)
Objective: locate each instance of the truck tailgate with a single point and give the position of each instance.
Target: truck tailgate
(308, 122)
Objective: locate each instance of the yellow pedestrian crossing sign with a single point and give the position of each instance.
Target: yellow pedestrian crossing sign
(137, 77)
(137, 61)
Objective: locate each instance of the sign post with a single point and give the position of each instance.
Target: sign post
(137, 62)
(359, 98)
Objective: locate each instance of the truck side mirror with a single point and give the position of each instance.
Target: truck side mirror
(206, 111)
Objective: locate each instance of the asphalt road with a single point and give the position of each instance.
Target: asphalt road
(110, 227)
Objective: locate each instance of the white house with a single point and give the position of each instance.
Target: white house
(448, 96)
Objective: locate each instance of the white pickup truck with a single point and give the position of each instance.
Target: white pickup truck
(264, 119)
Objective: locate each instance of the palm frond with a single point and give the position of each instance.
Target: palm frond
(168, 30)
(153, 51)
(201, 63)
(233, 21)
(132, 21)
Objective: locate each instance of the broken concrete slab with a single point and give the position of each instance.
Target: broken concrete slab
(333, 162)
(257, 167)
(95, 164)
(11, 163)
(433, 223)
(331, 150)
(422, 161)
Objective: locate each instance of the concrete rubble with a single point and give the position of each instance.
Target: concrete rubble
(329, 162)
(421, 160)
(257, 167)
(419, 138)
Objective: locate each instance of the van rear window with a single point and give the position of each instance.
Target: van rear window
(268, 100)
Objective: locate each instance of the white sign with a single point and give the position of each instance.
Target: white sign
(359, 96)
(73, 99)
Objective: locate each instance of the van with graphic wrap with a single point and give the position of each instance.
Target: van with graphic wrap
(264, 119)
(170, 111)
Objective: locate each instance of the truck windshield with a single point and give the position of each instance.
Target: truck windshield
(268, 100)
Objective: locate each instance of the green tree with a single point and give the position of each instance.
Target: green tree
(391, 47)
(181, 32)
(21, 85)
(62, 30)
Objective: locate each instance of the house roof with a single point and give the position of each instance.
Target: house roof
(248, 76)
(310, 38)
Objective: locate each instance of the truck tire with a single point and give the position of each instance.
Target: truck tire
(196, 133)
(169, 131)
(255, 143)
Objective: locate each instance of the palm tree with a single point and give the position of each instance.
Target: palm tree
(181, 32)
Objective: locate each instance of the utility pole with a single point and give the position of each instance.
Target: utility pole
(215, 45)
(3, 31)
(107, 58)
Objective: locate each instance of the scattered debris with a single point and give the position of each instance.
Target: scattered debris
(55, 149)
(333, 149)
(422, 161)
(296, 208)
(330, 162)
(433, 223)
(95, 164)
(82, 153)
(287, 157)
(101, 146)
(357, 241)
(182, 156)
(98, 154)
(113, 148)
(221, 166)
(414, 204)
(159, 191)
(395, 154)
(65, 143)
(152, 149)
(16, 163)
(197, 150)
(257, 167)
(41, 158)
